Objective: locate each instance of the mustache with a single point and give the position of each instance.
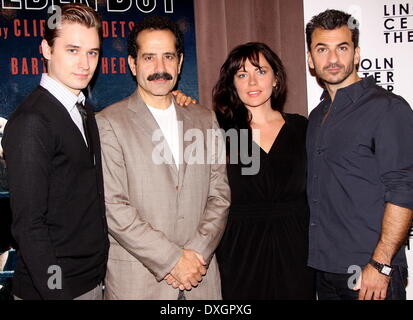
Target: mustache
(159, 75)
(334, 65)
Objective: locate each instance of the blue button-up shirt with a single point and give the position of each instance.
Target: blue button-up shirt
(359, 158)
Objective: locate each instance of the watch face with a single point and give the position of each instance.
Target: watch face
(386, 270)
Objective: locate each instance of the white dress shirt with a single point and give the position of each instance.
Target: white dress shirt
(67, 98)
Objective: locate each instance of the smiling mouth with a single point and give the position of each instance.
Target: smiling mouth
(253, 93)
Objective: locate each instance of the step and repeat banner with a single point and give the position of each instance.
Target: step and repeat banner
(21, 63)
(386, 42)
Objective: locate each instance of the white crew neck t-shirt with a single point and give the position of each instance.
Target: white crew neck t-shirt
(168, 123)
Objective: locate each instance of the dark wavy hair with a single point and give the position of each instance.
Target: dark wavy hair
(332, 19)
(230, 110)
(155, 23)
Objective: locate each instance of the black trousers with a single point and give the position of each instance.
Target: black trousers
(334, 286)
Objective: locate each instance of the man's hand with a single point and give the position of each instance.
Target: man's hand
(372, 284)
(190, 269)
(173, 282)
(182, 99)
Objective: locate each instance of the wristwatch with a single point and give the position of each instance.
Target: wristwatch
(385, 269)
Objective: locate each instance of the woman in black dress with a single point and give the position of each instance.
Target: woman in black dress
(263, 252)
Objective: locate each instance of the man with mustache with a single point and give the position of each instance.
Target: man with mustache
(165, 214)
(360, 171)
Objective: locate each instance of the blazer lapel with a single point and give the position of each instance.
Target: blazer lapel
(71, 125)
(184, 124)
(147, 125)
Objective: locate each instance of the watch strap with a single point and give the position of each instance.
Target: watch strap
(384, 269)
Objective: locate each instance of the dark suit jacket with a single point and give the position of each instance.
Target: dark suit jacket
(57, 200)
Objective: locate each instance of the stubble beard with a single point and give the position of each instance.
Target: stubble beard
(347, 73)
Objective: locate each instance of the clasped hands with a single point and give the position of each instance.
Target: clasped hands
(188, 271)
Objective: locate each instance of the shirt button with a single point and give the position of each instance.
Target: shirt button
(315, 200)
(177, 187)
(312, 224)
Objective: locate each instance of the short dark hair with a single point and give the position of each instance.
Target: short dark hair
(332, 19)
(155, 23)
(74, 13)
(230, 110)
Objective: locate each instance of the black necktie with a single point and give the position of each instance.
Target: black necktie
(83, 114)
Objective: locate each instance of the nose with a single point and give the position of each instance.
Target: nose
(252, 80)
(332, 57)
(160, 65)
(84, 61)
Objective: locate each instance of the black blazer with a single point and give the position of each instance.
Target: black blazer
(57, 200)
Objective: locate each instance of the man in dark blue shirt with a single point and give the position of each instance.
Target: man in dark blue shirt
(360, 177)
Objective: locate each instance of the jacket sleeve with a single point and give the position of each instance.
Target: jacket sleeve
(28, 149)
(212, 225)
(151, 247)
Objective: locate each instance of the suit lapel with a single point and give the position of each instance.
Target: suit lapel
(184, 124)
(147, 125)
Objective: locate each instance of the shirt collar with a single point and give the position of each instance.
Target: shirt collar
(61, 93)
(353, 91)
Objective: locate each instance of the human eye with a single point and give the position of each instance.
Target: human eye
(241, 75)
(262, 71)
(169, 57)
(148, 58)
(343, 48)
(321, 50)
(72, 50)
(93, 53)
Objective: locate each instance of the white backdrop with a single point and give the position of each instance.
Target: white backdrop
(386, 42)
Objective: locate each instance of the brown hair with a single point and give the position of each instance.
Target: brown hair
(74, 13)
(230, 110)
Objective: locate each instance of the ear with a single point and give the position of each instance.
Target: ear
(310, 60)
(181, 60)
(46, 50)
(132, 64)
(357, 56)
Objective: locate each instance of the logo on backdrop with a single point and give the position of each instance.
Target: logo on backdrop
(144, 6)
(398, 22)
(382, 69)
(22, 25)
